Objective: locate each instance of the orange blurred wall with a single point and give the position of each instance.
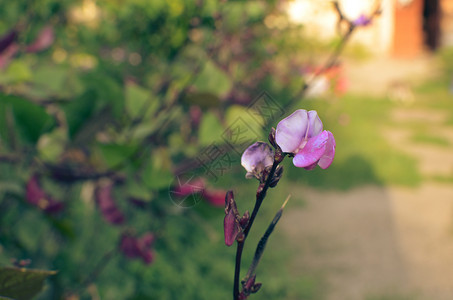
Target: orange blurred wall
(408, 30)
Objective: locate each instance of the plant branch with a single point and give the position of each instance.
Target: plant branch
(260, 195)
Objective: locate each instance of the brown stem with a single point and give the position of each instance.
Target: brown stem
(237, 270)
(260, 195)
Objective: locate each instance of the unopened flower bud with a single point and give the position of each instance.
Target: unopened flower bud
(231, 224)
(256, 158)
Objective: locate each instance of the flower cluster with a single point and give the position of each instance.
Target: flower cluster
(301, 136)
(197, 186)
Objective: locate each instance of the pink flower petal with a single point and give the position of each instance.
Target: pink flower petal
(35, 195)
(107, 206)
(45, 38)
(189, 187)
(314, 124)
(312, 152)
(291, 131)
(134, 247)
(327, 159)
(362, 20)
(311, 167)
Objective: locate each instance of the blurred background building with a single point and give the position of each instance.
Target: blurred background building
(405, 28)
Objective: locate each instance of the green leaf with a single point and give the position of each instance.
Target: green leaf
(157, 173)
(213, 80)
(210, 129)
(31, 120)
(143, 129)
(138, 190)
(11, 187)
(255, 9)
(115, 154)
(50, 77)
(140, 102)
(79, 110)
(22, 284)
(203, 99)
(51, 145)
(108, 91)
(243, 121)
(18, 71)
(158, 123)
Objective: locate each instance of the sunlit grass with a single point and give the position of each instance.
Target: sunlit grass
(424, 138)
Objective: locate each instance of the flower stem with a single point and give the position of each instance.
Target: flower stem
(237, 269)
(260, 195)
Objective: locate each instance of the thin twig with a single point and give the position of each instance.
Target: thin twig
(260, 195)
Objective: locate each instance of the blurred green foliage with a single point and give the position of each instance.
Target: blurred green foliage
(129, 94)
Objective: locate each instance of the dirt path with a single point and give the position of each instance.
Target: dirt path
(378, 75)
(377, 242)
(382, 243)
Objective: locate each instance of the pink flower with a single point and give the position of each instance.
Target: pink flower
(134, 247)
(35, 195)
(362, 20)
(44, 40)
(107, 205)
(191, 187)
(302, 135)
(197, 187)
(214, 197)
